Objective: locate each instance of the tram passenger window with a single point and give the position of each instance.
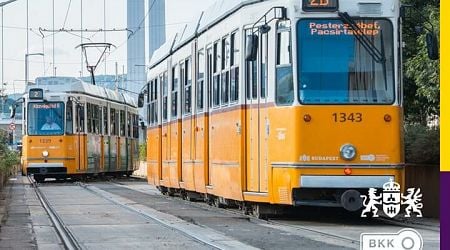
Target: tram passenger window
(80, 118)
(187, 96)
(234, 89)
(254, 79)
(135, 126)
(129, 125)
(105, 121)
(89, 118)
(113, 122)
(284, 81)
(155, 102)
(264, 51)
(97, 119)
(251, 74)
(165, 91)
(174, 96)
(209, 75)
(234, 72)
(122, 123)
(216, 77)
(201, 80)
(226, 56)
(69, 117)
(225, 87)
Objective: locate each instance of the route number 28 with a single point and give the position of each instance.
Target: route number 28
(319, 2)
(347, 117)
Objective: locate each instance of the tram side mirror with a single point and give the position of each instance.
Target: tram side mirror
(251, 48)
(432, 46)
(13, 111)
(141, 100)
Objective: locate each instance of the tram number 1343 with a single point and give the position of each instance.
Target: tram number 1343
(347, 117)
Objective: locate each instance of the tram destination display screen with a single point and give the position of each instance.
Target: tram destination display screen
(320, 5)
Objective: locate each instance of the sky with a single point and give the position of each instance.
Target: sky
(68, 59)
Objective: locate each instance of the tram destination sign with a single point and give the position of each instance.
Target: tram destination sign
(36, 94)
(320, 5)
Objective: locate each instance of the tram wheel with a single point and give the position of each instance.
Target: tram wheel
(257, 211)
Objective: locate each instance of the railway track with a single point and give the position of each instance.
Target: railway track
(67, 238)
(192, 231)
(292, 224)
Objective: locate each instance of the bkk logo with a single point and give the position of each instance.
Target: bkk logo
(392, 200)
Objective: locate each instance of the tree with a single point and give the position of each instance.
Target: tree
(422, 86)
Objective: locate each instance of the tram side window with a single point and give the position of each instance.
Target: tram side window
(97, 119)
(155, 101)
(251, 74)
(234, 72)
(165, 91)
(264, 48)
(135, 126)
(152, 107)
(187, 83)
(113, 122)
(89, 118)
(122, 123)
(216, 77)
(284, 81)
(80, 118)
(174, 96)
(201, 80)
(105, 121)
(129, 125)
(69, 117)
(225, 87)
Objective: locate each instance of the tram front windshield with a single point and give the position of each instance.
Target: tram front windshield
(46, 118)
(336, 65)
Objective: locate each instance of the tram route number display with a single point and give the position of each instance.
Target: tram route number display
(320, 5)
(347, 117)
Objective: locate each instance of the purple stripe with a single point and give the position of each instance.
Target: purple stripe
(445, 210)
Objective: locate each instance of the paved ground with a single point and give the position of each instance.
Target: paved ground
(134, 215)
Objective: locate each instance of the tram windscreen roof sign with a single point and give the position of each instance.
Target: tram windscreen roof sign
(320, 5)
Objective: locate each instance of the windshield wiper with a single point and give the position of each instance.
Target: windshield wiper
(377, 55)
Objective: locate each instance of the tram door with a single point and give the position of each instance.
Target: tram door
(257, 118)
(209, 80)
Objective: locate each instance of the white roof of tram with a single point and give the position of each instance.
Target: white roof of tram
(77, 86)
(216, 12)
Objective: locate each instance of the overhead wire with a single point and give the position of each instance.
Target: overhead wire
(67, 14)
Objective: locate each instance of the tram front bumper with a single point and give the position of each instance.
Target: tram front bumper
(336, 191)
(46, 169)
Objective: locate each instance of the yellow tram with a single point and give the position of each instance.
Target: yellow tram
(73, 129)
(279, 102)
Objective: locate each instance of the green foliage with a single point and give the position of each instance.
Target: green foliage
(422, 144)
(8, 158)
(422, 85)
(143, 152)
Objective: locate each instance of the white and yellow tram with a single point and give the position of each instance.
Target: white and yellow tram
(279, 102)
(73, 128)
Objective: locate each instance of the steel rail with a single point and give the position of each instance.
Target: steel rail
(69, 241)
(255, 219)
(148, 217)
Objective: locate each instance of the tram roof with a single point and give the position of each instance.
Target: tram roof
(77, 86)
(208, 18)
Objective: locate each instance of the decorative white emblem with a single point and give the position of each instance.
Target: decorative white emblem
(413, 201)
(371, 204)
(392, 200)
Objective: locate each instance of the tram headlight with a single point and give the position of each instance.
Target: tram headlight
(348, 152)
(45, 154)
